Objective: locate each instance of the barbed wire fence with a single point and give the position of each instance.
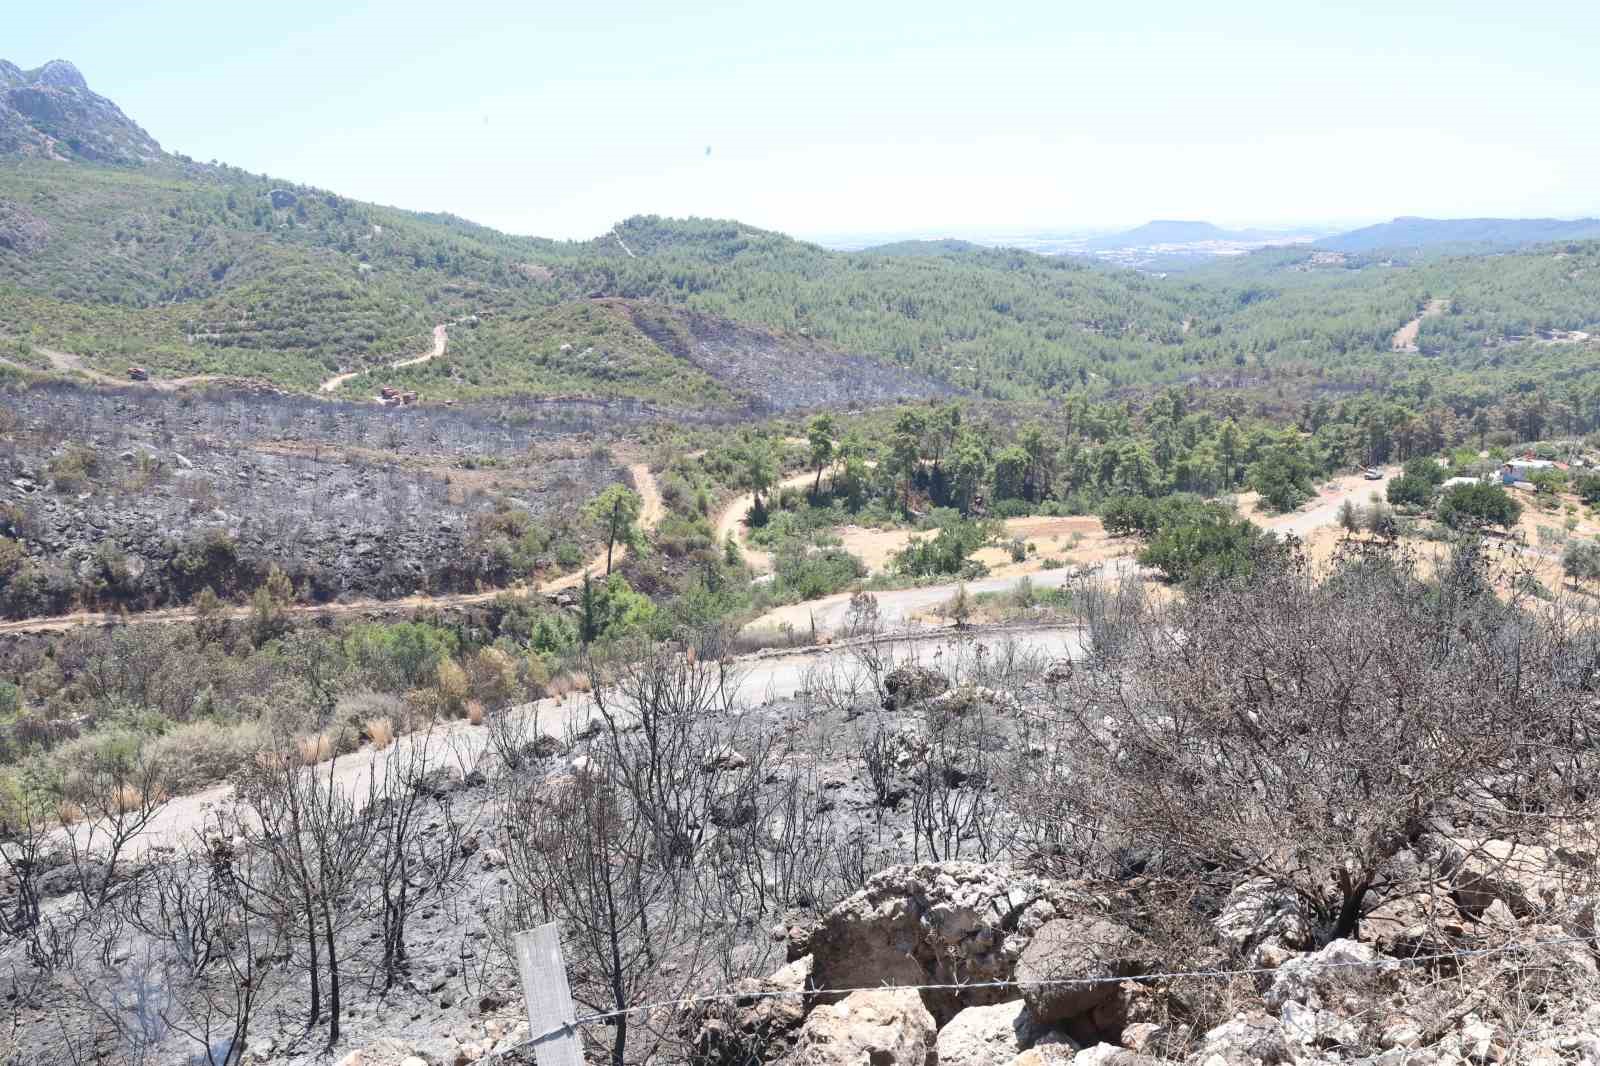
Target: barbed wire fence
(557, 1042)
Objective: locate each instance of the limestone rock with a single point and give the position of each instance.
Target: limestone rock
(1244, 1040)
(888, 1027)
(988, 1036)
(1260, 909)
(1344, 977)
(1522, 876)
(933, 923)
(908, 685)
(756, 1028)
(1092, 951)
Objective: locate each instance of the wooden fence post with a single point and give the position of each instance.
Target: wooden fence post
(548, 996)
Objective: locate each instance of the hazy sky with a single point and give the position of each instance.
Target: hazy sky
(826, 118)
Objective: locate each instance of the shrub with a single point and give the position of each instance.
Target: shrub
(802, 573)
(1411, 491)
(1206, 543)
(450, 689)
(197, 754)
(74, 468)
(314, 749)
(1468, 506)
(947, 552)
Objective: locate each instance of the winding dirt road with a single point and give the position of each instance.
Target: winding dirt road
(730, 523)
(68, 363)
(440, 339)
(650, 515)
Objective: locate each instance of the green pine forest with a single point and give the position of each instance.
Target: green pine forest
(203, 269)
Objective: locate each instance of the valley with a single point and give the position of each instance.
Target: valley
(1162, 647)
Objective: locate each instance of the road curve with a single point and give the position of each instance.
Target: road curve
(440, 339)
(730, 523)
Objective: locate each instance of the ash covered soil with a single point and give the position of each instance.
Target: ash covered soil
(878, 827)
(143, 498)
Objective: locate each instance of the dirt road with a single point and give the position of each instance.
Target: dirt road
(440, 340)
(1405, 338)
(67, 363)
(1324, 510)
(651, 511)
(730, 523)
(650, 514)
(460, 745)
(900, 607)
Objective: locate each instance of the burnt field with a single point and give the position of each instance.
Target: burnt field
(123, 498)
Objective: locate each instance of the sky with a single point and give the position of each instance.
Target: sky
(872, 116)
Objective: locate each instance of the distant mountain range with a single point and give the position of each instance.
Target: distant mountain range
(1465, 233)
(1172, 231)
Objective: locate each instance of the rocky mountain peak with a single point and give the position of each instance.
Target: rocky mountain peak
(59, 74)
(50, 113)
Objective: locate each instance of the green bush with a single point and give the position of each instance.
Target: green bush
(1410, 490)
(399, 656)
(1468, 506)
(806, 573)
(947, 553)
(1205, 543)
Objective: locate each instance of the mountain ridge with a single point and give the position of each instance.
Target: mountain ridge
(51, 113)
(1415, 231)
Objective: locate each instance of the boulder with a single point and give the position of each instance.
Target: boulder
(989, 1036)
(1259, 910)
(1522, 876)
(758, 1026)
(1255, 1039)
(972, 699)
(933, 923)
(907, 685)
(881, 1027)
(1317, 1028)
(1111, 1055)
(1089, 954)
(1345, 977)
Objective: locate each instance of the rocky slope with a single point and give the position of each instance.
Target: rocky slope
(51, 113)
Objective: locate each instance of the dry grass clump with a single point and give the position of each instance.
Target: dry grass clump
(128, 797)
(380, 731)
(567, 683)
(314, 749)
(201, 753)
